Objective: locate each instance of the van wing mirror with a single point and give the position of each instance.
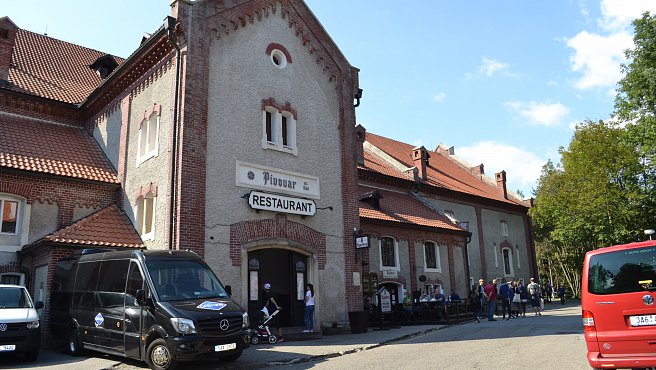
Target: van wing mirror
(140, 297)
(38, 305)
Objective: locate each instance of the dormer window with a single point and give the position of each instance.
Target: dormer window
(104, 65)
(372, 198)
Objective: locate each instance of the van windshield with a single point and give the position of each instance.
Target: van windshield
(14, 297)
(177, 280)
(625, 271)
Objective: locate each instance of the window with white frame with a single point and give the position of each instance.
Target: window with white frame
(507, 262)
(504, 228)
(389, 254)
(279, 130)
(9, 220)
(148, 137)
(146, 216)
(432, 257)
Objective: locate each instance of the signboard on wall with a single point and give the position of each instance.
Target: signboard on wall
(281, 203)
(362, 242)
(266, 178)
(390, 274)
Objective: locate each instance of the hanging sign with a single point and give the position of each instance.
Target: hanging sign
(275, 180)
(281, 203)
(362, 242)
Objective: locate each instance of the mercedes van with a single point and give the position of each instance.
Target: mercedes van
(20, 331)
(162, 307)
(617, 302)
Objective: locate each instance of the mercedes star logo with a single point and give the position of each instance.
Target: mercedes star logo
(224, 324)
(3, 327)
(648, 299)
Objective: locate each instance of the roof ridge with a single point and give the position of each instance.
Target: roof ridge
(70, 43)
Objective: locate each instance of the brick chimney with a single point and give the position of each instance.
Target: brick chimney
(8, 31)
(501, 183)
(360, 136)
(478, 171)
(420, 157)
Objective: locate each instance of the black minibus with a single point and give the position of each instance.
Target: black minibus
(162, 307)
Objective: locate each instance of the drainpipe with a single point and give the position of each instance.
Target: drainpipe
(467, 272)
(169, 26)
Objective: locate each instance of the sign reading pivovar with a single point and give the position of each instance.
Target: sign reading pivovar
(266, 178)
(281, 203)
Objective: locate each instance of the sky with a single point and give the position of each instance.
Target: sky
(503, 82)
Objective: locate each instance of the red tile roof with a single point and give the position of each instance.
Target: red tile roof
(442, 172)
(109, 227)
(53, 69)
(404, 209)
(53, 149)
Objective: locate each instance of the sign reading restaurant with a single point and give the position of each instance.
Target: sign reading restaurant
(265, 178)
(281, 203)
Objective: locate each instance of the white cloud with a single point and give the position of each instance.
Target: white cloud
(542, 114)
(491, 66)
(439, 97)
(597, 57)
(522, 168)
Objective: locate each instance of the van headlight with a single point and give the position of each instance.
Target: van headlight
(183, 326)
(244, 320)
(33, 324)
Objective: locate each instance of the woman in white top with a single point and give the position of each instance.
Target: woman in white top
(309, 308)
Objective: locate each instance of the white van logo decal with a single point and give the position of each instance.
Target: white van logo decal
(3, 327)
(99, 319)
(648, 299)
(214, 306)
(224, 324)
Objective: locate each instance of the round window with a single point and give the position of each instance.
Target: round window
(278, 58)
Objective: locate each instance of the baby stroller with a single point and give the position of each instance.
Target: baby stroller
(263, 331)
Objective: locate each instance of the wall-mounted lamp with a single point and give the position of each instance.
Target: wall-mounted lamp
(650, 232)
(358, 96)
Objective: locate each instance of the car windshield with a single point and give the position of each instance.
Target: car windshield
(625, 271)
(14, 297)
(177, 280)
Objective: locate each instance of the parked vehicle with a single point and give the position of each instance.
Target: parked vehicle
(20, 331)
(619, 314)
(161, 307)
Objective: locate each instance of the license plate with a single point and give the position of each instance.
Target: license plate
(8, 347)
(225, 347)
(644, 320)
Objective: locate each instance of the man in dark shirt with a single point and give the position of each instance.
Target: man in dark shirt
(506, 293)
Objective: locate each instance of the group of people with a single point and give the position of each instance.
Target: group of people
(514, 296)
(270, 305)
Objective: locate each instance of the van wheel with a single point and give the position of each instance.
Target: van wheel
(231, 357)
(32, 355)
(74, 345)
(159, 357)
(255, 339)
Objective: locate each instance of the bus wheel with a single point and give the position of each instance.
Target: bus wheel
(159, 357)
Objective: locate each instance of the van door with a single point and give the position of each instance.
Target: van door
(84, 300)
(111, 309)
(133, 312)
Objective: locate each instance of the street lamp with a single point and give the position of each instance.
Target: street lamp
(650, 232)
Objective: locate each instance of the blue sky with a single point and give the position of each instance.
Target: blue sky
(504, 82)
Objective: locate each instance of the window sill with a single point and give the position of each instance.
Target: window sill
(390, 268)
(146, 157)
(281, 148)
(432, 270)
(149, 236)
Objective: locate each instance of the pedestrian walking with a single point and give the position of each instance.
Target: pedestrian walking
(491, 299)
(561, 294)
(269, 305)
(536, 296)
(309, 308)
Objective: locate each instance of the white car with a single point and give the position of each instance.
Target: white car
(19, 322)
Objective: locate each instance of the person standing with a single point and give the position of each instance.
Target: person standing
(561, 294)
(309, 308)
(481, 295)
(523, 295)
(440, 304)
(534, 292)
(269, 302)
(506, 299)
(491, 298)
(475, 299)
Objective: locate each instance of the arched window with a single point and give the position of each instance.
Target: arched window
(507, 262)
(432, 257)
(149, 136)
(389, 254)
(146, 216)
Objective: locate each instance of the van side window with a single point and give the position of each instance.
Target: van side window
(134, 283)
(85, 285)
(111, 282)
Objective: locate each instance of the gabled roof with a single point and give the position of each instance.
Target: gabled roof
(53, 69)
(403, 209)
(109, 227)
(441, 172)
(52, 149)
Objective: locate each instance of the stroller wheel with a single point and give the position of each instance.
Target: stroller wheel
(255, 339)
(273, 339)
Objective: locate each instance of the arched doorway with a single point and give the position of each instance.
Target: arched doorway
(286, 271)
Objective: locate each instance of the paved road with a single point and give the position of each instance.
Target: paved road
(552, 341)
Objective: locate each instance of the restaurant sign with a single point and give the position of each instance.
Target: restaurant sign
(265, 178)
(281, 203)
